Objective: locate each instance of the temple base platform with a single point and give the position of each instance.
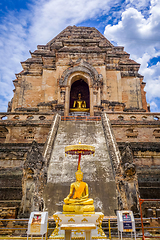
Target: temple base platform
(78, 209)
(78, 223)
(79, 114)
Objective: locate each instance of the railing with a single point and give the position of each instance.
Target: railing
(134, 116)
(81, 118)
(140, 203)
(17, 228)
(109, 226)
(115, 116)
(16, 117)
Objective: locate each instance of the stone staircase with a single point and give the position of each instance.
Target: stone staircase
(98, 170)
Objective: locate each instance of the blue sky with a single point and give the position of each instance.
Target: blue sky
(134, 24)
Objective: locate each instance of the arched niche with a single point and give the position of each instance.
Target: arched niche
(80, 86)
(85, 71)
(84, 82)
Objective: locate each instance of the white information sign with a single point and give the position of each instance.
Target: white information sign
(37, 224)
(126, 222)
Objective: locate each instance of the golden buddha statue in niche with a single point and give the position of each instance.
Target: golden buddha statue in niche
(77, 201)
(79, 105)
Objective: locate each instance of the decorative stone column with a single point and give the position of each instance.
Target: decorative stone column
(67, 100)
(91, 102)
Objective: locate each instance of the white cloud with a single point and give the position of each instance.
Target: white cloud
(23, 31)
(153, 87)
(138, 4)
(154, 106)
(51, 17)
(140, 36)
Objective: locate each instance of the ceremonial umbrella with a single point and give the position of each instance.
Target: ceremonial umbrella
(79, 149)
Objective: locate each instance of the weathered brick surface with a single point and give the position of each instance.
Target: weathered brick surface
(87, 53)
(42, 90)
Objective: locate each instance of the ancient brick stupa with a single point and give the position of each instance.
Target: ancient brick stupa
(78, 86)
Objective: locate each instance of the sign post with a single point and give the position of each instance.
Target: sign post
(37, 224)
(126, 222)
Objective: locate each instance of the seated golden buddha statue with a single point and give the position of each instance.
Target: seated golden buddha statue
(77, 201)
(79, 105)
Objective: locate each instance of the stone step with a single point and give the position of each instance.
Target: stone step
(97, 169)
(10, 203)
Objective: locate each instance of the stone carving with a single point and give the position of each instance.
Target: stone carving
(156, 133)
(9, 109)
(131, 133)
(3, 133)
(83, 67)
(12, 154)
(129, 169)
(130, 182)
(127, 162)
(34, 178)
(112, 105)
(47, 106)
(29, 133)
(127, 156)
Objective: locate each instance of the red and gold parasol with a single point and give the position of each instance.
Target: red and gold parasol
(79, 149)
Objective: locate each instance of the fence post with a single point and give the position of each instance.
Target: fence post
(47, 230)
(140, 202)
(109, 226)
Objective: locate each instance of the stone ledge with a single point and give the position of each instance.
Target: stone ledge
(141, 146)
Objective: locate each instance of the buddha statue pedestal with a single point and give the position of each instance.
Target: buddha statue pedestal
(77, 220)
(78, 209)
(79, 114)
